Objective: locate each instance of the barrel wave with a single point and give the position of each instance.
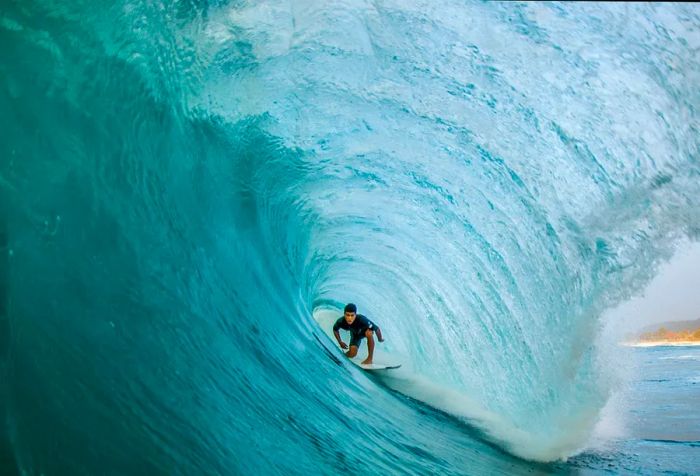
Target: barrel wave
(184, 185)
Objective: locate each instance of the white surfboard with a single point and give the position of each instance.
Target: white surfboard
(373, 366)
(376, 366)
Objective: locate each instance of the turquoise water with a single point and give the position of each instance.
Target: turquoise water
(183, 184)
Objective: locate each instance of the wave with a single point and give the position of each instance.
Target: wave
(184, 185)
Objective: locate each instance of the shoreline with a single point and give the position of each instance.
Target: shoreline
(662, 343)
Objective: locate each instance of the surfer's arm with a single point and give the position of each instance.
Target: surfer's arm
(342, 344)
(378, 331)
(336, 326)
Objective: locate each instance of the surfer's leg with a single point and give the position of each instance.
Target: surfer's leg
(355, 340)
(370, 347)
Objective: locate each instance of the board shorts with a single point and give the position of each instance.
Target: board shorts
(356, 339)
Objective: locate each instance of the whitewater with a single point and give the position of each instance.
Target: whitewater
(185, 187)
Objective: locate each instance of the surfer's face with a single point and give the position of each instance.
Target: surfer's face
(349, 317)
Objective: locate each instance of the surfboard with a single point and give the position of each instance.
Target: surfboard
(373, 366)
(376, 366)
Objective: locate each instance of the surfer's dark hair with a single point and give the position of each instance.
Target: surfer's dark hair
(351, 308)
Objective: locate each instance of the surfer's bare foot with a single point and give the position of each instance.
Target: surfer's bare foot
(367, 362)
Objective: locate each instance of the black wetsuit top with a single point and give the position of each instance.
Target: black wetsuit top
(357, 329)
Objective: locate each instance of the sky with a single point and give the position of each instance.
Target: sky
(673, 295)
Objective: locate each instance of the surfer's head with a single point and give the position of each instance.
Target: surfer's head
(350, 313)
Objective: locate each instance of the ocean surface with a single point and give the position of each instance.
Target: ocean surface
(185, 187)
(652, 423)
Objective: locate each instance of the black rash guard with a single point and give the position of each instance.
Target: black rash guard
(357, 329)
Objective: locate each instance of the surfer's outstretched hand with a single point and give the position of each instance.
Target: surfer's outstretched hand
(343, 345)
(379, 335)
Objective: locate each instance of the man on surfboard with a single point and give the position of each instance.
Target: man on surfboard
(359, 327)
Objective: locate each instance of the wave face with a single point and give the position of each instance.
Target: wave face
(183, 184)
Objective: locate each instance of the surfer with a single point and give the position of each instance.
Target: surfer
(359, 327)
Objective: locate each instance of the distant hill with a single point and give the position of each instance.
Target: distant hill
(674, 326)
